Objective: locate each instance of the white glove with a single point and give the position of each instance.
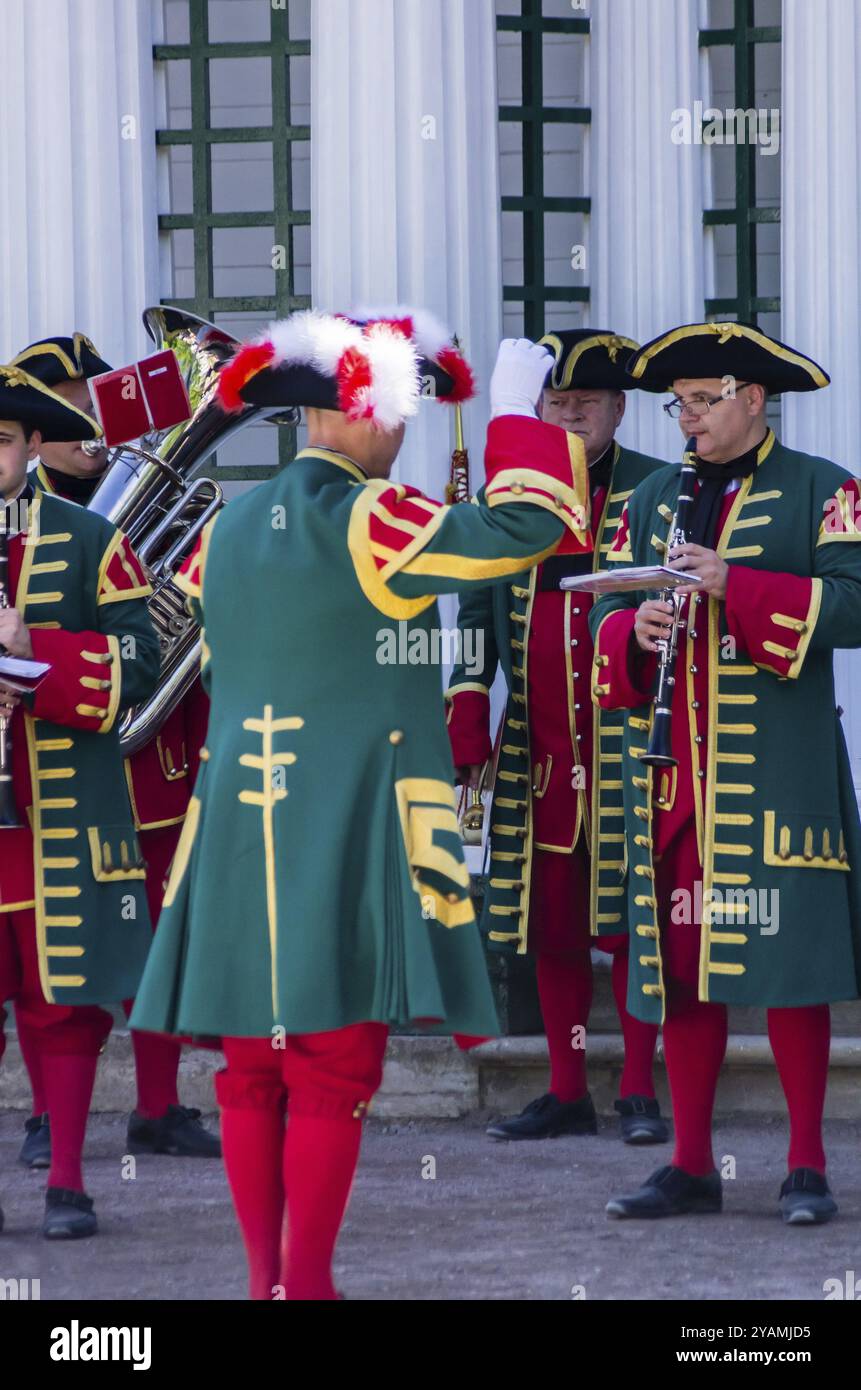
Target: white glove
(518, 377)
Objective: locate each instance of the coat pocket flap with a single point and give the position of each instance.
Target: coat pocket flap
(799, 841)
(115, 853)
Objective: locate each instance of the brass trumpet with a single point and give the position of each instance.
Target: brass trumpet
(472, 817)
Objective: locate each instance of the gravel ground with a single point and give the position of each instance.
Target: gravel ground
(441, 1212)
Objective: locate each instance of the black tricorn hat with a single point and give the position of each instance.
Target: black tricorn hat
(376, 366)
(24, 398)
(289, 385)
(54, 360)
(590, 359)
(724, 349)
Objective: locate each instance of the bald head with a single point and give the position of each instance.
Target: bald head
(372, 448)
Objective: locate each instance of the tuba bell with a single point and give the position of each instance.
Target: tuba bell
(151, 492)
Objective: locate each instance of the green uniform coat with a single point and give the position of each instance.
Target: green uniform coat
(82, 594)
(778, 809)
(502, 614)
(320, 878)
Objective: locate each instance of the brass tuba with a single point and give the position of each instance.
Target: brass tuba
(150, 492)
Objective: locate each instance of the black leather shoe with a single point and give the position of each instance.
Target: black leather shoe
(670, 1192)
(36, 1149)
(547, 1118)
(68, 1215)
(640, 1120)
(178, 1132)
(805, 1199)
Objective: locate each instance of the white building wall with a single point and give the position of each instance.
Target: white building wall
(405, 191)
(77, 172)
(648, 261)
(240, 93)
(821, 281)
(566, 85)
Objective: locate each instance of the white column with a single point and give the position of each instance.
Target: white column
(405, 190)
(820, 252)
(820, 212)
(647, 248)
(78, 215)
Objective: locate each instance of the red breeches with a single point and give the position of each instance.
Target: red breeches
(291, 1185)
(60, 1043)
(695, 1034)
(560, 938)
(57, 1028)
(330, 1073)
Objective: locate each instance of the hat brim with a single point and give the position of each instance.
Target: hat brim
(716, 350)
(29, 401)
(53, 362)
(590, 360)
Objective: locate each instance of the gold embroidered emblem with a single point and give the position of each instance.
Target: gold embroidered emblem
(267, 763)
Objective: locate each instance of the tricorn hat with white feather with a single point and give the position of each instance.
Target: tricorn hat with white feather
(372, 366)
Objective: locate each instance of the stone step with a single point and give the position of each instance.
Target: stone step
(512, 1071)
(845, 1016)
(431, 1078)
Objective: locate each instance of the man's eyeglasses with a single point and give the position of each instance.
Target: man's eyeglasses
(699, 406)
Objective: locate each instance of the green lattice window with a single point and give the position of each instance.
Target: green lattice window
(743, 222)
(234, 157)
(541, 52)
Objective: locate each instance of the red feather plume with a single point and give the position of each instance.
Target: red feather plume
(249, 360)
(461, 374)
(354, 373)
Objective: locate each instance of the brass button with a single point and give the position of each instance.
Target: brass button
(693, 670)
(693, 632)
(558, 501)
(396, 736)
(576, 612)
(574, 642)
(695, 704)
(517, 488)
(452, 898)
(700, 773)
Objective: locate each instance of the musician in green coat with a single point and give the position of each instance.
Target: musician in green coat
(74, 924)
(553, 886)
(319, 892)
(743, 856)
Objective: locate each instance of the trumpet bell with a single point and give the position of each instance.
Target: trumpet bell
(472, 820)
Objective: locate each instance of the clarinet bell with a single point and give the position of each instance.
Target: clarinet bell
(659, 750)
(8, 815)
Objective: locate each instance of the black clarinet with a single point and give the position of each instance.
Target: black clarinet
(658, 753)
(8, 814)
